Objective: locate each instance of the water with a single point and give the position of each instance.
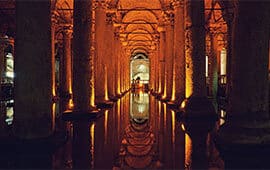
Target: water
(139, 132)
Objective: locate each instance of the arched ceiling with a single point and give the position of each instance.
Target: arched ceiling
(139, 20)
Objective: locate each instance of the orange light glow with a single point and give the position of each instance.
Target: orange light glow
(188, 150)
(70, 104)
(106, 126)
(173, 83)
(183, 104)
(92, 135)
(53, 115)
(165, 115)
(173, 127)
(106, 96)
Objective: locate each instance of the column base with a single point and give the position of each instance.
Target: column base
(244, 142)
(105, 104)
(94, 113)
(198, 108)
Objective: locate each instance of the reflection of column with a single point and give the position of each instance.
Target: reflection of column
(179, 53)
(161, 59)
(83, 62)
(65, 68)
(33, 83)
(169, 56)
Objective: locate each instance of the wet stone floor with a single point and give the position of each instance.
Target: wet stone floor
(138, 132)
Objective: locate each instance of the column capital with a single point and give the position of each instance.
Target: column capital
(178, 3)
(100, 4)
(169, 17)
(110, 17)
(54, 17)
(68, 30)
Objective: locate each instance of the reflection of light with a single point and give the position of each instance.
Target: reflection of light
(221, 122)
(141, 108)
(92, 135)
(222, 113)
(188, 150)
(165, 114)
(183, 127)
(10, 74)
(223, 56)
(53, 114)
(141, 68)
(206, 66)
(173, 83)
(70, 104)
(9, 115)
(183, 104)
(106, 126)
(173, 127)
(106, 96)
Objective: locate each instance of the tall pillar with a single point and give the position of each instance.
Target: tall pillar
(169, 58)
(178, 93)
(161, 31)
(65, 69)
(249, 71)
(248, 111)
(196, 104)
(33, 82)
(101, 71)
(116, 61)
(83, 61)
(109, 46)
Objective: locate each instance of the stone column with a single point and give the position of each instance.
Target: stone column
(109, 46)
(178, 93)
(83, 61)
(249, 71)
(33, 68)
(161, 31)
(116, 61)
(169, 58)
(101, 71)
(248, 112)
(196, 104)
(65, 69)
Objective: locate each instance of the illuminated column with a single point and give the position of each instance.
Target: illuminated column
(83, 62)
(249, 70)
(169, 56)
(116, 61)
(178, 93)
(101, 71)
(33, 68)
(65, 68)
(196, 104)
(161, 31)
(195, 49)
(109, 48)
